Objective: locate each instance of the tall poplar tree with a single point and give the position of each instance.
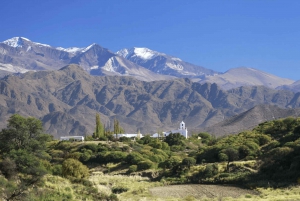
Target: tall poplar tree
(99, 131)
(117, 128)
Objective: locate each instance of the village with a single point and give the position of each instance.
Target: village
(182, 130)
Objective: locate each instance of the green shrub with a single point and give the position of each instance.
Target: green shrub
(157, 158)
(86, 155)
(224, 175)
(188, 162)
(170, 163)
(132, 168)
(144, 165)
(113, 197)
(124, 139)
(102, 147)
(115, 157)
(222, 157)
(89, 146)
(57, 170)
(74, 155)
(174, 139)
(165, 146)
(156, 144)
(134, 158)
(119, 189)
(74, 168)
(177, 148)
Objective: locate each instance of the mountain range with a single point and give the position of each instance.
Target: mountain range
(19, 55)
(68, 99)
(144, 89)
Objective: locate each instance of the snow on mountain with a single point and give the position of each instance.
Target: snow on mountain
(18, 42)
(15, 41)
(110, 65)
(145, 53)
(70, 49)
(162, 63)
(88, 47)
(12, 69)
(141, 52)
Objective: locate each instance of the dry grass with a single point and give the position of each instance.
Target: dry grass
(137, 186)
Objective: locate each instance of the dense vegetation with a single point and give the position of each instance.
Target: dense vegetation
(266, 156)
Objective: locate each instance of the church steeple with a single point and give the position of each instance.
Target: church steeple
(182, 126)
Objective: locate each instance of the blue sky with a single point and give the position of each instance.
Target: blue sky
(219, 35)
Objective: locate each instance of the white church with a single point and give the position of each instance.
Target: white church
(182, 130)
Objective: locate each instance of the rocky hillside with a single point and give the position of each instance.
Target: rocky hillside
(250, 119)
(68, 99)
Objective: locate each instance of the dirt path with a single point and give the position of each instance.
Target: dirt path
(199, 190)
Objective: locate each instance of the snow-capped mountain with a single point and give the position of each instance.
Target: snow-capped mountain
(164, 64)
(20, 54)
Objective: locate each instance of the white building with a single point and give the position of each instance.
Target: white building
(182, 130)
(75, 138)
(129, 135)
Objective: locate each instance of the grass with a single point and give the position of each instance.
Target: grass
(137, 186)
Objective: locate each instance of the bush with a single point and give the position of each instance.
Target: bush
(222, 157)
(113, 197)
(145, 165)
(124, 139)
(86, 155)
(74, 168)
(132, 168)
(188, 162)
(210, 171)
(165, 146)
(119, 189)
(74, 155)
(156, 144)
(172, 162)
(57, 170)
(102, 147)
(115, 157)
(92, 147)
(174, 139)
(177, 148)
(157, 158)
(134, 158)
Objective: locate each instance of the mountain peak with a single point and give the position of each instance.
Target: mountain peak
(19, 42)
(88, 47)
(140, 52)
(15, 41)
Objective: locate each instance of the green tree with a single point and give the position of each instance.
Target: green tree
(117, 128)
(23, 150)
(174, 139)
(23, 133)
(188, 162)
(232, 155)
(99, 130)
(172, 162)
